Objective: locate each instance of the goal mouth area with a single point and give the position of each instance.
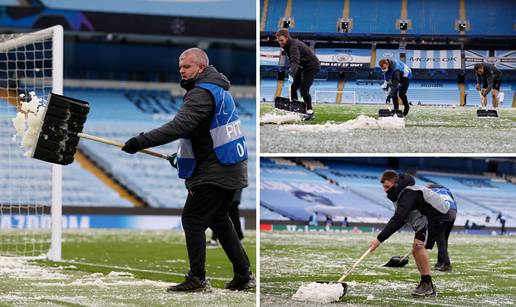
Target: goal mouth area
(31, 204)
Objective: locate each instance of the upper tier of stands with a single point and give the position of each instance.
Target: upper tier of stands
(294, 192)
(494, 17)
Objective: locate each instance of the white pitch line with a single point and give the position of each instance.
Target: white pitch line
(132, 269)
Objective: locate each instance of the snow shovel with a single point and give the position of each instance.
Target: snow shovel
(388, 112)
(341, 279)
(285, 104)
(398, 261)
(63, 121)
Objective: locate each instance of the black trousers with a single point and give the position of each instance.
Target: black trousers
(303, 80)
(442, 243)
(402, 92)
(208, 206)
(234, 215)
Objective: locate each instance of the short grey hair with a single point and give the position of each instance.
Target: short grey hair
(200, 57)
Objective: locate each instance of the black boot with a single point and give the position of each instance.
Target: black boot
(445, 268)
(241, 282)
(424, 289)
(191, 284)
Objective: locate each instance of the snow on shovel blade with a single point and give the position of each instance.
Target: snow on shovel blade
(397, 262)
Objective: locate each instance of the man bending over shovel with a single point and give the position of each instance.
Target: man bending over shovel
(408, 196)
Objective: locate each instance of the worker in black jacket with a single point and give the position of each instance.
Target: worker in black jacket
(489, 79)
(408, 196)
(212, 176)
(304, 65)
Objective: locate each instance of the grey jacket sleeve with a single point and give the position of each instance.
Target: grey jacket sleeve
(198, 105)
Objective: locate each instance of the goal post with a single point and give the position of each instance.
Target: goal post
(29, 62)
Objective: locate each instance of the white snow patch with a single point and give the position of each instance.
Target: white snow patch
(361, 122)
(280, 118)
(319, 292)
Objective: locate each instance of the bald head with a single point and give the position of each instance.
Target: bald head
(192, 62)
(198, 56)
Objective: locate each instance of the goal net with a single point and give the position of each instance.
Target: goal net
(30, 190)
(326, 96)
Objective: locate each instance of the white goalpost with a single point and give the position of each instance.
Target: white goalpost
(327, 96)
(30, 190)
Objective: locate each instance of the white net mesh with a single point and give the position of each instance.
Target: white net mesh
(25, 184)
(335, 96)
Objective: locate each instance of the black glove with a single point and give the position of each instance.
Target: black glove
(132, 146)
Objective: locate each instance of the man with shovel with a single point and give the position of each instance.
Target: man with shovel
(304, 65)
(213, 159)
(396, 77)
(488, 80)
(408, 196)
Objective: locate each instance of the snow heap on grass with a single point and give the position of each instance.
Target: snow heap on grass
(319, 292)
(361, 122)
(28, 122)
(277, 117)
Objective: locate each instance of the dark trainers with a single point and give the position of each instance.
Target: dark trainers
(191, 284)
(437, 265)
(309, 115)
(445, 268)
(424, 289)
(241, 282)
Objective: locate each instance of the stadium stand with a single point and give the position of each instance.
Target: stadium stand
(295, 192)
(379, 17)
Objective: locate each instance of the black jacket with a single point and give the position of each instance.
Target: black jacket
(409, 200)
(300, 56)
(193, 121)
(490, 74)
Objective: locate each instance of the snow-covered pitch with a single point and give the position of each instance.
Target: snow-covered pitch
(355, 129)
(483, 273)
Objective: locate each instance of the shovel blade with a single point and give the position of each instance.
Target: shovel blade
(285, 104)
(64, 118)
(397, 262)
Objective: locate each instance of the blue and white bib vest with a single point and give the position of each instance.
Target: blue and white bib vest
(225, 130)
(400, 66)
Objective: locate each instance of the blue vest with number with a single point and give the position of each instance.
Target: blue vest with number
(446, 194)
(225, 130)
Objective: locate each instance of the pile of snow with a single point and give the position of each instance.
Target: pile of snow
(280, 118)
(319, 292)
(28, 122)
(361, 122)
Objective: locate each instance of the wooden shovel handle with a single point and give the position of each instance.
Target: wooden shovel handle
(118, 144)
(355, 265)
